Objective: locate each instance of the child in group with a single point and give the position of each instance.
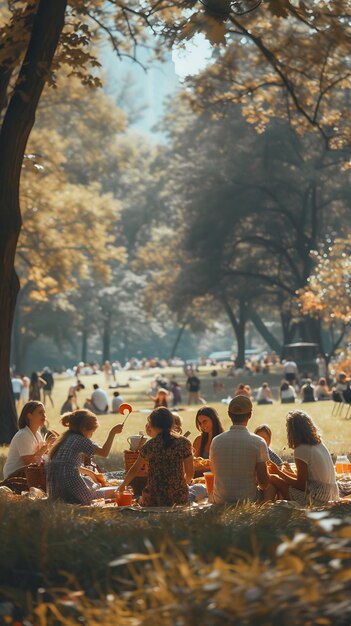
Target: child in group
(64, 468)
(170, 460)
(265, 432)
(177, 423)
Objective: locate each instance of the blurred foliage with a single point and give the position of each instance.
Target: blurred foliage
(328, 292)
(271, 565)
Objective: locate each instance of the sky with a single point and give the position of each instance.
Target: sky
(150, 90)
(193, 58)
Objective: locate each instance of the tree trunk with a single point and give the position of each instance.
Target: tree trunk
(84, 353)
(264, 331)
(288, 327)
(238, 327)
(106, 338)
(240, 335)
(177, 340)
(16, 126)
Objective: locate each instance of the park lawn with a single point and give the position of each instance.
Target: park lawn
(275, 565)
(336, 430)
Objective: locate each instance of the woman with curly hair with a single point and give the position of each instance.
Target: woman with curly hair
(314, 481)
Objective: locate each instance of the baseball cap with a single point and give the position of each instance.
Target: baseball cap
(240, 405)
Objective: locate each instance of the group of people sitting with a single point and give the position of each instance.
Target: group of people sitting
(244, 466)
(98, 402)
(290, 392)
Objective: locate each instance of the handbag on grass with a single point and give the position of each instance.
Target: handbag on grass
(36, 476)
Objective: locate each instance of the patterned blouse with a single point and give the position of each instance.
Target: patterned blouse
(166, 484)
(64, 481)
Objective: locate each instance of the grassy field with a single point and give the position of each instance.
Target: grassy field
(276, 565)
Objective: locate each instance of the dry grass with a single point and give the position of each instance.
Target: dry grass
(221, 566)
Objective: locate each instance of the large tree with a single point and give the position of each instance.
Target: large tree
(37, 37)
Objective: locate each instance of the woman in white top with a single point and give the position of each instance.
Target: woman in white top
(286, 393)
(264, 395)
(314, 481)
(27, 446)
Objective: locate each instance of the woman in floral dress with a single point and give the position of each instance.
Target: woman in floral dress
(170, 460)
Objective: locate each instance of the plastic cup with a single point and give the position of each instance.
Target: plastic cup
(209, 480)
(124, 498)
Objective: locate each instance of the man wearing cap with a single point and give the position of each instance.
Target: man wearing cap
(238, 458)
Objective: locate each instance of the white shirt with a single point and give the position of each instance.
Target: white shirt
(234, 455)
(264, 393)
(23, 443)
(16, 385)
(116, 403)
(290, 367)
(319, 462)
(288, 393)
(99, 397)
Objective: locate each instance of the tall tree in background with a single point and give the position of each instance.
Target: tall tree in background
(34, 41)
(248, 209)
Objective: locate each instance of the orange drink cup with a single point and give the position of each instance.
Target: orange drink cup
(124, 498)
(209, 479)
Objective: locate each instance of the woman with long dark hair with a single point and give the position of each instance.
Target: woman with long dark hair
(35, 386)
(170, 460)
(208, 423)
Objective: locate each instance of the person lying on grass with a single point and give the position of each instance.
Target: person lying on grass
(170, 459)
(64, 469)
(314, 481)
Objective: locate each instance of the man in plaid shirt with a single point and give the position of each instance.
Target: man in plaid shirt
(238, 458)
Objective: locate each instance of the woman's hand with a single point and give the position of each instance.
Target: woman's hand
(272, 468)
(117, 429)
(44, 448)
(100, 479)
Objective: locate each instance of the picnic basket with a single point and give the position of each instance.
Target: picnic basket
(130, 456)
(36, 476)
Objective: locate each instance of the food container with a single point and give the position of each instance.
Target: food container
(106, 492)
(342, 464)
(130, 456)
(125, 497)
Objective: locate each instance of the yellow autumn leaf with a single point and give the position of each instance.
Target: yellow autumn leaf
(344, 575)
(292, 562)
(345, 532)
